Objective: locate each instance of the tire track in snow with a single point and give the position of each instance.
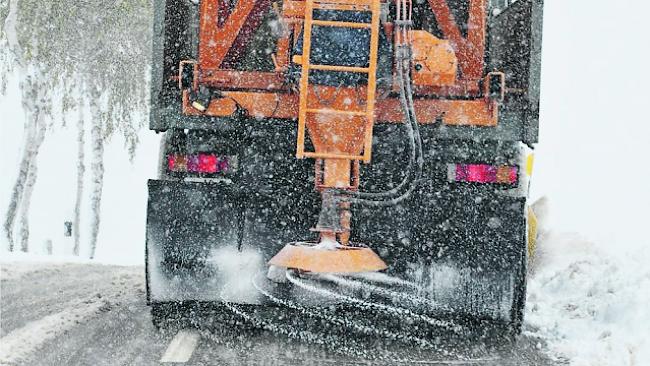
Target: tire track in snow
(20, 343)
(391, 310)
(51, 290)
(345, 322)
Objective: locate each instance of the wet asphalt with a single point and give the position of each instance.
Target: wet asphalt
(119, 330)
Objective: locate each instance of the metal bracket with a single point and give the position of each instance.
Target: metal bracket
(185, 76)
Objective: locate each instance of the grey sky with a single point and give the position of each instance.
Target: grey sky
(593, 157)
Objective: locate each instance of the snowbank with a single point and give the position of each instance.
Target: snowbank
(591, 305)
(15, 265)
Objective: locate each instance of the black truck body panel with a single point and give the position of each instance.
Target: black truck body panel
(515, 48)
(475, 234)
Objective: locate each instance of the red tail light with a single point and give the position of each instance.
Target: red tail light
(177, 163)
(208, 163)
(483, 173)
(202, 163)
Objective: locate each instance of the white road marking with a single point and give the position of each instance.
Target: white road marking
(181, 347)
(473, 361)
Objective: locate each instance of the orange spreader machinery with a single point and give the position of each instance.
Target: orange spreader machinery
(413, 120)
(336, 112)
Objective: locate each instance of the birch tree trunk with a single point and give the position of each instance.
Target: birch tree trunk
(10, 33)
(10, 30)
(35, 100)
(97, 174)
(29, 189)
(19, 185)
(81, 171)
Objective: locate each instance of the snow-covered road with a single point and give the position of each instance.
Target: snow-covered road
(89, 314)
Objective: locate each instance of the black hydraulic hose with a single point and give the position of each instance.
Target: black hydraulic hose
(412, 157)
(406, 100)
(391, 197)
(411, 180)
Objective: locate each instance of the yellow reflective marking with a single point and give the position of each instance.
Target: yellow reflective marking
(532, 233)
(529, 164)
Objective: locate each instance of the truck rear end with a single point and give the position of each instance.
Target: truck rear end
(242, 215)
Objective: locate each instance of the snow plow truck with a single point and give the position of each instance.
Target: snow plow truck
(326, 156)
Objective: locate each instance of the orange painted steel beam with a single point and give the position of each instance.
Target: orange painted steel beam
(331, 23)
(473, 112)
(471, 50)
(275, 82)
(218, 37)
(335, 111)
(251, 80)
(293, 9)
(257, 104)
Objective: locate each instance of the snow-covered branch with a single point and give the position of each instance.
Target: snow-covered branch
(90, 55)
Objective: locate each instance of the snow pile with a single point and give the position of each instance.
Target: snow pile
(591, 306)
(15, 265)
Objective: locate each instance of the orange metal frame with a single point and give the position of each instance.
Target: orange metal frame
(224, 34)
(470, 112)
(306, 112)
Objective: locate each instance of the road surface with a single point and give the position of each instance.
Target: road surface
(88, 314)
